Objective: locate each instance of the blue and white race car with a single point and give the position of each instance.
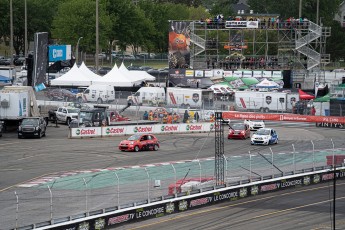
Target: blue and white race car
(264, 136)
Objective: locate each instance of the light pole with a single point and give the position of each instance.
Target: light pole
(26, 30)
(97, 37)
(11, 32)
(77, 51)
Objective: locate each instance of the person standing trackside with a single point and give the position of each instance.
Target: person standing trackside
(185, 116)
(145, 116)
(313, 111)
(196, 117)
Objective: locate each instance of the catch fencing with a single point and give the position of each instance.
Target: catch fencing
(75, 194)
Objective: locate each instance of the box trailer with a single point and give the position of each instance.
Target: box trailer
(265, 101)
(189, 97)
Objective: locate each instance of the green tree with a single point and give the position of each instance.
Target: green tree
(76, 18)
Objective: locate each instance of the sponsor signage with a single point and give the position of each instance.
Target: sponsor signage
(208, 73)
(330, 125)
(167, 128)
(276, 73)
(237, 73)
(247, 74)
(257, 74)
(113, 130)
(283, 117)
(197, 127)
(266, 73)
(189, 73)
(59, 53)
(140, 129)
(227, 73)
(218, 73)
(242, 24)
(177, 73)
(199, 73)
(86, 132)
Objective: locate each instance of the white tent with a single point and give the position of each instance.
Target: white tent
(145, 76)
(83, 68)
(138, 77)
(115, 78)
(267, 84)
(74, 77)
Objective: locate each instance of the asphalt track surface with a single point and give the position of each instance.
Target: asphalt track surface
(27, 159)
(306, 208)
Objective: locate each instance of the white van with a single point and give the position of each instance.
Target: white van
(97, 93)
(149, 96)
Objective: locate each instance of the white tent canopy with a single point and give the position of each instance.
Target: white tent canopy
(143, 75)
(83, 68)
(74, 77)
(136, 79)
(267, 84)
(115, 78)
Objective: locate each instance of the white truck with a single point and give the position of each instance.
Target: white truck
(189, 97)
(16, 103)
(265, 101)
(148, 96)
(172, 96)
(97, 93)
(66, 114)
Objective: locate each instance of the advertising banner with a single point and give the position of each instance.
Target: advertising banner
(86, 132)
(266, 73)
(277, 74)
(227, 73)
(40, 58)
(217, 73)
(208, 73)
(179, 44)
(242, 24)
(191, 128)
(257, 74)
(199, 73)
(60, 53)
(283, 117)
(330, 125)
(114, 131)
(237, 73)
(247, 73)
(189, 73)
(132, 129)
(167, 128)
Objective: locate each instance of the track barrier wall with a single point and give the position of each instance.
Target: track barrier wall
(198, 199)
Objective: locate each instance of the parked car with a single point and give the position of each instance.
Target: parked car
(146, 68)
(32, 127)
(5, 61)
(19, 61)
(61, 95)
(102, 55)
(104, 70)
(239, 131)
(138, 142)
(264, 136)
(133, 67)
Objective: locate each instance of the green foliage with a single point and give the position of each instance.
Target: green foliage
(76, 18)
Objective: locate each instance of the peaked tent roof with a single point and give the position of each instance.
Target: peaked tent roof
(136, 78)
(74, 77)
(305, 96)
(142, 74)
(83, 68)
(114, 78)
(267, 84)
(325, 98)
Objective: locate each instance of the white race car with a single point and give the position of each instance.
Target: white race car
(255, 125)
(264, 136)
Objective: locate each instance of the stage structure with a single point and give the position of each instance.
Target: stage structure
(284, 45)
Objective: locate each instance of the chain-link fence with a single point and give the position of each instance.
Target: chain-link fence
(69, 195)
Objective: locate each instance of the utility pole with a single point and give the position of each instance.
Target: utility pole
(26, 30)
(97, 37)
(11, 36)
(300, 9)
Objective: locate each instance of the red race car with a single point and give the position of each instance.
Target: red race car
(239, 131)
(138, 142)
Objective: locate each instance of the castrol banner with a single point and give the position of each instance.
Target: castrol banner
(132, 129)
(86, 132)
(283, 117)
(192, 128)
(113, 131)
(167, 128)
